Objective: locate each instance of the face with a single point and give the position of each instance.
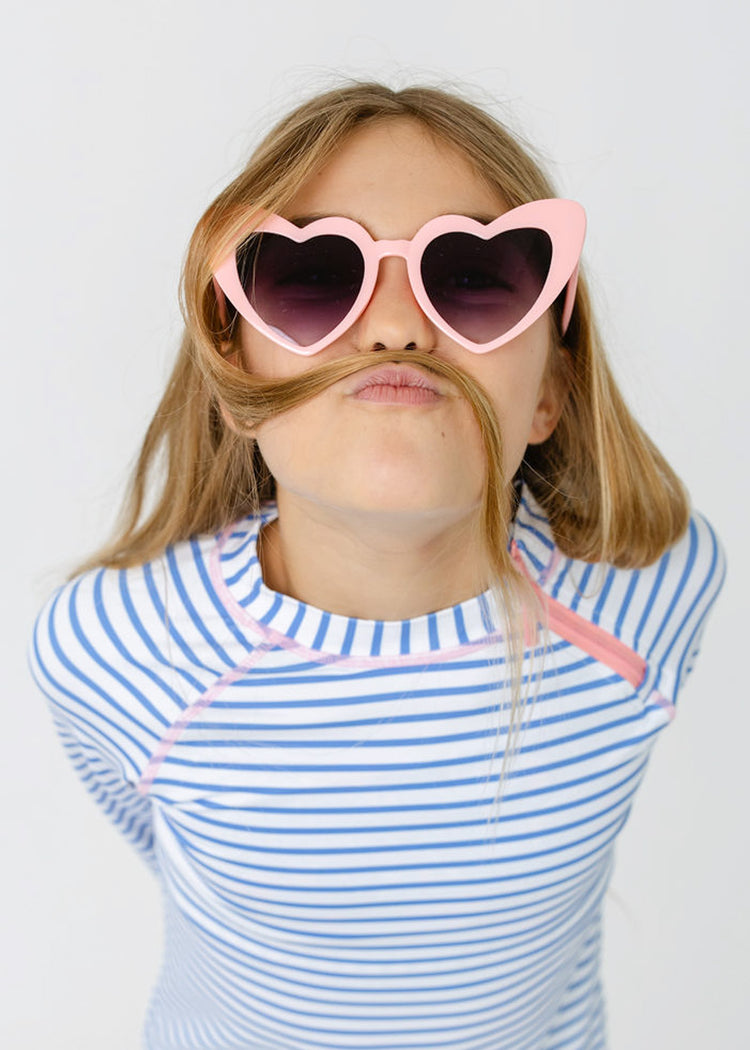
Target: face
(423, 457)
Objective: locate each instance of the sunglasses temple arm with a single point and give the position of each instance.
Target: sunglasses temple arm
(570, 298)
(221, 303)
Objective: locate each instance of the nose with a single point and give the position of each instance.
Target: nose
(393, 319)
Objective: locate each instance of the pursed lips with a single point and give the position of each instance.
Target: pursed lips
(400, 383)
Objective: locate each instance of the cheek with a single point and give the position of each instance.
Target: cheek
(516, 382)
(291, 444)
(262, 357)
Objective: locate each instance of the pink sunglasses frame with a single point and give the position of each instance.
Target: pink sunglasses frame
(563, 220)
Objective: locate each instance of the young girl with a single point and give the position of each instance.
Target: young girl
(372, 681)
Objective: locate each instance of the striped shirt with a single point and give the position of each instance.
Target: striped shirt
(318, 794)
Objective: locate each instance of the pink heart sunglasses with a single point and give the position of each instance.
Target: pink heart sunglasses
(480, 284)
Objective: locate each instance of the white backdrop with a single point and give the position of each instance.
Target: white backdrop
(120, 122)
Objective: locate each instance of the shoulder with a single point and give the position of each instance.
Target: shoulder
(109, 607)
(658, 611)
(150, 629)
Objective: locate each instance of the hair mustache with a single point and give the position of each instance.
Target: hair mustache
(251, 400)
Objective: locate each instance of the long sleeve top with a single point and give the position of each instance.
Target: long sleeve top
(318, 795)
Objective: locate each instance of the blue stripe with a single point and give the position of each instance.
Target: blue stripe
(346, 648)
(711, 583)
(648, 607)
(432, 628)
(562, 578)
(246, 528)
(405, 633)
(356, 789)
(320, 636)
(539, 566)
(441, 826)
(435, 845)
(191, 610)
(427, 716)
(296, 623)
(244, 570)
(253, 594)
(458, 619)
(676, 594)
(530, 932)
(213, 597)
(581, 587)
(163, 617)
(271, 612)
(488, 732)
(625, 607)
(442, 763)
(488, 620)
(476, 689)
(604, 595)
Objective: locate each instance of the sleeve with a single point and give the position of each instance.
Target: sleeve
(681, 590)
(96, 710)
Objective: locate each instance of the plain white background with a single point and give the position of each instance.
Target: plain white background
(120, 123)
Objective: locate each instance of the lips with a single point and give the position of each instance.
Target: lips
(396, 377)
(396, 385)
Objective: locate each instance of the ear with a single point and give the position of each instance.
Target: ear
(229, 352)
(226, 348)
(551, 401)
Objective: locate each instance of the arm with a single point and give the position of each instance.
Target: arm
(105, 731)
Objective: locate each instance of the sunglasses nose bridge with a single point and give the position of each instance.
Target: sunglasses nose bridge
(389, 250)
(380, 250)
(393, 316)
(383, 248)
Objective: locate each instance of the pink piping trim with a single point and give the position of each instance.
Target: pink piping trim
(592, 639)
(175, 730)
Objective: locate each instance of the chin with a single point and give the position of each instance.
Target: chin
(409, 503)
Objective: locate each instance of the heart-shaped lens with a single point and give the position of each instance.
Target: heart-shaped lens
(302, 291)
(483, 288)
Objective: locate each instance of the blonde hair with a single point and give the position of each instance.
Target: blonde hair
(609, 494)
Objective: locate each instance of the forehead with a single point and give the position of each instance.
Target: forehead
(392, 176)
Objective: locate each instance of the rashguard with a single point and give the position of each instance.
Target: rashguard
(318, 795)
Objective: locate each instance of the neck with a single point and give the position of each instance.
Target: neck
(371, 567)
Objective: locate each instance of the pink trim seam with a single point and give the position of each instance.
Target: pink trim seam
(173, 733)
(589, 637)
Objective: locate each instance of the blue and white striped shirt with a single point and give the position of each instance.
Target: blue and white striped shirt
(318, 794)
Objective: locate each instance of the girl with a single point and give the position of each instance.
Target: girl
(372, 683)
